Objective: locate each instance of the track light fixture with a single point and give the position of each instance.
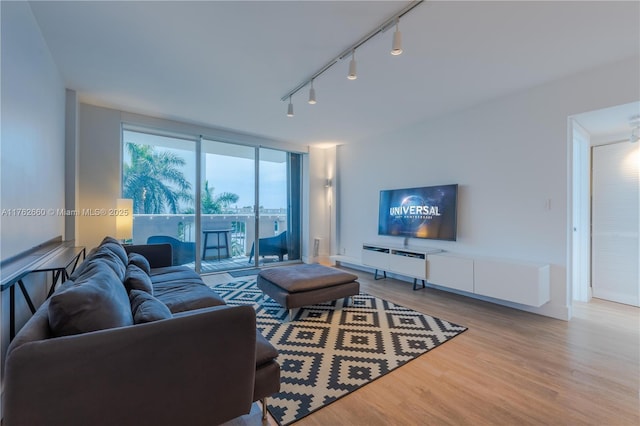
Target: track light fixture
(396, 47)
(312, 94)
(350, 51)
(352, 67)
(290, 108)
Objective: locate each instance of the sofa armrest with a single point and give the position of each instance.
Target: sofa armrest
(158, 255)
(194, 369)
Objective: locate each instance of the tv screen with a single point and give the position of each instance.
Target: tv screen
(428, 212)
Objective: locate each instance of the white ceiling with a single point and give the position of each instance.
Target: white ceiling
(228, 64)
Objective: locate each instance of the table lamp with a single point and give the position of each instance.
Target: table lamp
(124, 219)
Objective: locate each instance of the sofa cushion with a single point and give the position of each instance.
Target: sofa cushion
(136, 279)
(181, 297)
(109, 239)
(140, 261)
(96, 301)
(85, 263)
(172, 274)
(265, 351)
(81, 267)
(116, 247)
(106, 255)
(146, 308)
(182, 289)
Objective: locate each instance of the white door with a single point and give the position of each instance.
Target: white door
(581, 214)
(615, 223)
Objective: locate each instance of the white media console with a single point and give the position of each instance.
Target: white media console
(521, 282)
(404, 260)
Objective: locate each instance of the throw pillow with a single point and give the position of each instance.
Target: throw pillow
(84, 264)
(105, 255)
(116, 247)
(140, 261)
(97, 301)
(137, 279)
(109, 239)
(146, 308)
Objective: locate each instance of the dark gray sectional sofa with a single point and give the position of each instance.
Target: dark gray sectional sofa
(127, 345)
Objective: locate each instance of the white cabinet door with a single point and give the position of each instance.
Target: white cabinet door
(414, 267)
(451, 271)
(525, 283)
(376, 259)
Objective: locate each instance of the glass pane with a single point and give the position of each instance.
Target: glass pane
(158, 173)
(228, 197)
(276, 233)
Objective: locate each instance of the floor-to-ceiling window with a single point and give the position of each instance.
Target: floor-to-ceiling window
(246, 195)
(279, 208)
(228, 198)
(158, 173)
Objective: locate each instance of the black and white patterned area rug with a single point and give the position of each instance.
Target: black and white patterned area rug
(330, 350)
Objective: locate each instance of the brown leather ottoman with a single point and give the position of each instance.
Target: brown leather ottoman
(306, 284)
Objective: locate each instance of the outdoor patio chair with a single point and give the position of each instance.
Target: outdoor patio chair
(271, 246)
(183, 251)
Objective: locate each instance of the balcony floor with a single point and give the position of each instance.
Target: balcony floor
(211, 266)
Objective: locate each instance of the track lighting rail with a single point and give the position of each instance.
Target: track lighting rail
(348, 51)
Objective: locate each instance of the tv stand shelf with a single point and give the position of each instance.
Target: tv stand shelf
(522, 282)
(404, 260)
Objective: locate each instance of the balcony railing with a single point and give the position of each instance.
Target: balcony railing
(182, 227)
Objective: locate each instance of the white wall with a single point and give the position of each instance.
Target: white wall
(321, 218)
(32, 147)
(32, 150)
(98, 171)
(71, 161)
(509, 157)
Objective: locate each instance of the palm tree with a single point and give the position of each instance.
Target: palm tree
(154, 180)
(218, 204)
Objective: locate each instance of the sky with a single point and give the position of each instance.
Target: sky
(228, 174)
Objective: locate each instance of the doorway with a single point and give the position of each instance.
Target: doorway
(596, 129)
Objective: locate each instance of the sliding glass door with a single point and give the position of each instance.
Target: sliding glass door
(248, 200)
(158, 173)
(227, 205)
(278, 228)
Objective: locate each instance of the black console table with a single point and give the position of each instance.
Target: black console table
(59, 258)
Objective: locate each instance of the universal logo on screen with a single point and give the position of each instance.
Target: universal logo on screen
(414, 207)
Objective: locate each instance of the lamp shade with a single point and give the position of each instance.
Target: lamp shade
(124, 219)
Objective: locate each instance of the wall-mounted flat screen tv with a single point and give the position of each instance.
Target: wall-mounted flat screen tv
(427, 212)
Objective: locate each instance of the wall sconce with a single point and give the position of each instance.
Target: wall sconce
(124, 219)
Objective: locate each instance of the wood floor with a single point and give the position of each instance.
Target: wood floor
(509, 368)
